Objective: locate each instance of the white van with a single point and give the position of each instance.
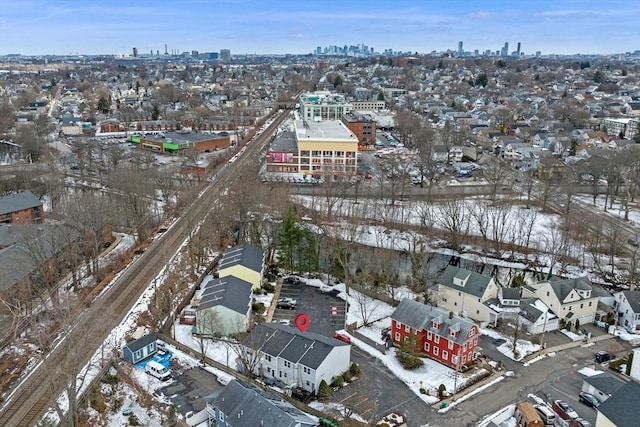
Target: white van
(157, 370)
(547, 415)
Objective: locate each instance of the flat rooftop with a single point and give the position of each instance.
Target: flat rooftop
(182, 137)
(327, 130)
(284, 142)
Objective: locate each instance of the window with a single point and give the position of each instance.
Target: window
(582, 305)
(436, 350)
(450, 345)
(477, 311)
(266, 356)
(445, 355)
(287, 364)
(397, 336)
(221, 416)
(475, 341)
(429, 335)
(407, 328)
(426, 346)
(590, 303)
(437, 339)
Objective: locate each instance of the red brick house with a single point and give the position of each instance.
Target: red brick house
(21, 208)
(440, 335)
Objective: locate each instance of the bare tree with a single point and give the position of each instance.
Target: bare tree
(454, 219)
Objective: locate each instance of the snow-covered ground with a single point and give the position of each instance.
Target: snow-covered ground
(523, 347)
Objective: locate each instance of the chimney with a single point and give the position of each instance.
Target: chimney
(451, 315)
(8, 228)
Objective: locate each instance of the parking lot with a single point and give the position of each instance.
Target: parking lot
(318, 305)
(189, 388)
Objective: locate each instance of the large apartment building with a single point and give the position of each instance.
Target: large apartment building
(315, 148)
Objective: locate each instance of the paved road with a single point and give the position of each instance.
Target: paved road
(539, 378)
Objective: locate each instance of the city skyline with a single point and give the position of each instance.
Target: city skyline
(37, 27)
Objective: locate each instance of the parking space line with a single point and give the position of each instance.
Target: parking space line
(361, 353)
(348, 397)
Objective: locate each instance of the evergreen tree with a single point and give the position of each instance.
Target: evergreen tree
(103, 105)
(324, 391)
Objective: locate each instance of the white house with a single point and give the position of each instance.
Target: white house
(627, 305)
(295, 359)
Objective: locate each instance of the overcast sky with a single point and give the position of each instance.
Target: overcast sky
(285, 26)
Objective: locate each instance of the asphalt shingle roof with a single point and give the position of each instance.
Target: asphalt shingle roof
(605, 382)
(141, 342)
(249, 406)
(419, 317)
(476, 284)
(249, 256)
(633, 298)
(307, 348)
(229, 292)
(18, 201)
(622, 407)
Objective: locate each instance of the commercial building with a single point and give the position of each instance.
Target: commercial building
(323, 105)
(363, 126)
(315, 148)
(178, 141)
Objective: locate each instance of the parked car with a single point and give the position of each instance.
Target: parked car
(342, 337)
(565, 411)
(288, 303)
(581, 422)
(588, 399)
(603, 356)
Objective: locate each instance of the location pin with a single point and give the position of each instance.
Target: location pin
(302, 322)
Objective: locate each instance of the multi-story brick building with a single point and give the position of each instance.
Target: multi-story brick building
(363, 126)
(439, 334)
(21, 208)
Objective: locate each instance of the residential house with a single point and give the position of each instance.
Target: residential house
(245, 262)
(627, 305)
(602, 385)
(550, 168)
(635, 365)
(224, 307)
(21, 208)
(466, 293)
(439, 333)
(240, 404)
(140, 349)
(528, 312)
(570, 299)
(621, 409)
(292, 358)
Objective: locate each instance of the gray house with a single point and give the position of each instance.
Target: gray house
(283, 354)
(224, 307)
(241, 404)
(140, 349)
(621, 409)
(602, 386)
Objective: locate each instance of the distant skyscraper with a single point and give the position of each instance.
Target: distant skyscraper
(135, 52)
(505, 49)
(518, 50)
(225, 54)
(165, 49)
(318, 50)
(460, 48)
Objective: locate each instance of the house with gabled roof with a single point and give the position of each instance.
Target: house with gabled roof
(621, 409)
(440, 335)
(296, 359)
(627, 305)
(466, 293)
(240, 404)
(140, 349)
(570, 299)
(224, 307)
(245, 262)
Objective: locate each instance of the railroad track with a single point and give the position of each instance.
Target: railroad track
(37, 392)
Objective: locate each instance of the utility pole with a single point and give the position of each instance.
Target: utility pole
(455, 379)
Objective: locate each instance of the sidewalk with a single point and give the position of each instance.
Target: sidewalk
(274, 302)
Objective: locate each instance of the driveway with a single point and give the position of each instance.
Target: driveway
(379, 391)
(189, 388)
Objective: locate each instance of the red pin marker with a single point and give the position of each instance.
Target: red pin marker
(302, 322)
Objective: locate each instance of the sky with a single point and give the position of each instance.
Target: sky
(33, 27)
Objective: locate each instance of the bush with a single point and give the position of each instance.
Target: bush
(354, 369)
(133, 420)
(324, 391)
(110, 379)
(441, 389)
(338, 381)
(257, 307)
(268, 287)
(346, 377)
(409, 361)
(577, 327)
